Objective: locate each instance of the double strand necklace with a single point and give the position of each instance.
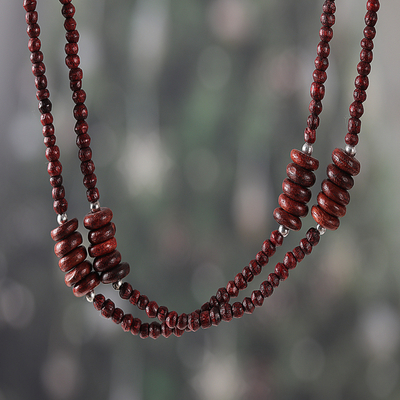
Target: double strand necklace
(107, 267)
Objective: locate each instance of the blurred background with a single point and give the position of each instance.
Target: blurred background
(194, 107)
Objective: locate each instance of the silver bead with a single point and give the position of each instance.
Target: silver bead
(283, 230)
(350, 150)
(61, 218)
(307, 148)
(321, 229)
(90, 296)
(94, 206)
(117, 285)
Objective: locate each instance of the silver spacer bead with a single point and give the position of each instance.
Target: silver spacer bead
(61, 218)
(350, 150)
(117, 285)
(94, 206)
(283, 230)
(90, 296)
(307, 148)
(321, 229)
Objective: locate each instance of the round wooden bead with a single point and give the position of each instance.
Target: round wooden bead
(151, 309)
(205, 319)
(154, 330)
(248, 306)
(117, 315)
(144, 331)
(256, 265)
(225, 311)
(86, 285)
(222, 296)
(345, 162)
(165, 331)
(162, 313)
(134, 297)
(304, 160)
(78, 273)
(292, 207)
(98, 218)
(295, 191)
(240, 281)
(63, 247)
(281, 271)
(289, 260)
(194, 321)
(102, 234)
(98, 301)
(135, 327)
(172, 319)
(178, 332)
(101, 249)
(182, 321)
(125, 291)
(72, 259)
(142, 302)
(126, 322)
(266, 289)
(305, 245)
(290, 221)
(313, 236)
(273, 279)
(339, 177)
(324, 219)
(116, 274)
(107, 262)
(330, 206)
(232, 290)
(300, 175)
(214, 301)
(64, 230)
(215, 316)
(108, 308)
(257, 298)
(335, 193)
(248, 276)
(268, 248)
(237, 310)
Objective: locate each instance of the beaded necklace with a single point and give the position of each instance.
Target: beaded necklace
(107, 266)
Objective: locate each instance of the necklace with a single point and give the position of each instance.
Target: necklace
(108, 267)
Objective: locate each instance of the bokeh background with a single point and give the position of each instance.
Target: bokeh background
(194, 107)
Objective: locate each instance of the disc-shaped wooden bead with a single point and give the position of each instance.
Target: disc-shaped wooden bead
(98, 218)
(116, 274)
(78, 273)
(339, 177)
(86, 285)
(72, 259)
(68, 244)
(101, 249)
(300, 175)
(345, 162)
(295, 191)
(304, 160)
(324, 219)
(102, 234)
(107, 262)
(335, 193)
(330, 206)
(292, 207)
(64, 230)
(282, 217)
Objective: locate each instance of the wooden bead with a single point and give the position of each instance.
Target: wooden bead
(126, 322)
(98, 218)
(151, 309)
(86, 285)
(162, 313)
(78, 273)
(154, 330)
(68, 244)
(273, 279)
(102, 234)
(144, 331)
(64, 230)
(116, 274)
(290, 221)
(125, 291)
(142, 302)
(237, 310)
(98, 301)
(276, 238)
(135, 327)
(225, 311)
(289, 260)
(194, 321)
(101, 249)
(232, 290)
(240, 282)
(215, 316)
(268, 248)
(178, 332)
(281, 271)
(107, 262)
(339, 177)
(298, 253)
(222, 296)
(172, 319)
(108, 308)
(248, 276)
(214, 302)
(335, 193)
(257, 298)
(305, 245)
(324, 219)
(300, 175)
(72, 259)
(205, 319)
(304, 160)
(165, 330)
(182, 321)
(117, 316)
(330, 206)
(266, 289)
(134, 297)
(313, 236)
(292, 207)
(345, 162)
(256, 266)
(248, 306)
(295, 191)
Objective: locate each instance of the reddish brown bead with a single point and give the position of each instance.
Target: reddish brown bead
(49, 141)
(134, 297)
(68, 10)
(76, 74)
(117, 315)
(194, 321)
(182, 321)
(225, 311)
(72, 61)
(102, 234)
(92, 195)
(205, 307)
(54, 168)
(144, 331)
(107, 262)
(373, 5)
(86, 285)
(36, 56)
(323, 49)
(74, 86)
(273, 279)
(313, 122)
(165, 330)
(87, 167)
(327, 19)
(326, 34)
(205, 319)
(361, 82)
(339, 177)
(298, 253)
(345, 162)
(329, 7)
(237, 310)
(310, 135)
(98, 219)
(213, 302)
(354, 125)
(162, 313)
(324, 219)
(248, 276)
(178, 332)
(53, 153)
(125, 291)
(135, 327)
(81, 128)
(266, 289)
(64, 230)
(29, 5)
(256, 265)
(315, 107)
(330, 206)
(232, 290)
(42, 94)
(292, 207)
(89, 181)
(154, 330)
(68, 244)
(300, 175)
(98, 301)
(79, 96)
(83, 140)
(86, 155)
(295, 191)
(172, 319)
(268, 248)
(289, 261)
(72, 259)
(351, 139)
(304, 160)
(313, 236)
(319, 77)
(335, 193)
(281, 271)
(143, 301)
(60, 206)
(290, 221)
(103, 248)
(317, 91)
(80, 111)
(321, 63)
(215, 316)
(356, 109)
(371, 18)
(31, 17)
(222, 296)
(257, 298)
(34, 44)
(116, 274)
(78, 273)
(71, 48)
(305, 245)
(151, 309)
(48, 130)
(248, 306)
(126, 322)
(70, 26)
(276, 238)
(240, 282)
(369, 32)
(33, 30)
(363, 68)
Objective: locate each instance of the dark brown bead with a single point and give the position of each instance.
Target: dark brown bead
(98, 218)
(323, 49)
(71, 48)
(313, 236)
(281, 271)
(48, 130)
(222, 296)
(232, 290)
(266, 289)
(134, 297)
(151, 309)
(87, 167)
(354, 125)
(80, 111)
(101, 249)
(29, 5)
(298, 253)
(116, 274)
(72, 259)
(317, 91)
(205, 319)
(373, 5)
(194, 321)
(315, 108)
(240, 282)
(319, 77)
(324, 219)
(64, 230)
(98, 301)
(165, 330)
(76, 74)
(60, 206)
(225, 311)
(72, 36)
(356, 109)
(335, 193)
(53, 153)
(68, 244)
(321, 63)
(276, 238)
(273, 279)
(125, 291)
(257, 298)
(213, 302)
(70, 26)
(305, 245)
(79, 96)
(78, 273)
(74, 86)
(172, 319)
(369, 32)
(93, 195)
(178, 332)
(345, 162)
(85, 154)
(34, 44)
(248, 306)
(310, 135)
(126, 322)
(31, 17)
(86, 285)
(154, 330)
(289, 261)
(300, 175)
(33, 30)
(363, 68)
(135, 327)
(327, 19)
(83, 140)
(144, 331)
(339, 177)
(54, 168)
(182, 321)
(38, 69)
(304, 160)
(248, 276)
(371, 18)
(36, 56)
(326, 34)
(351, 139)
(49, 141)
(292, 207)
(290, 221)
(72, 61)
(107, 261)
(268, 248)
(313, 122)
(162, 313)
(256, 265)
(102, 234)
(329, 7)
(361, 82)
(205, 307)
(68, 10)
(295, 191)
(117, 316)
(237, 310)
(143, 301)
(89, 181)
(42, 94)
(330, 206)
(215, 316)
